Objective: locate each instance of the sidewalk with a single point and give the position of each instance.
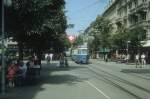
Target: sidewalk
(129, 65)
(30, 91)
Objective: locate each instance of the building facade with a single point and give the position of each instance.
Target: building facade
(130, 13)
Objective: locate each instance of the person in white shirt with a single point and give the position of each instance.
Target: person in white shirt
(127, 58)
(137, 60)
(51, 56)
(143, 61)
(46, 56)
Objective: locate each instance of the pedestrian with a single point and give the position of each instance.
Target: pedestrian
(61, 60)
(23, 69)
(48, 58)
(137, 60)
(106, 58)
(66, 60)
(35, 59)
(51, 56)
(11, 74)
(127, 58)
(143, 61)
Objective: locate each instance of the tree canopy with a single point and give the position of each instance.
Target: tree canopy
(100, 29)
(123, 35)
(36, 23)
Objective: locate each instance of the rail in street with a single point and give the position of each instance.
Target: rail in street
(98, 80)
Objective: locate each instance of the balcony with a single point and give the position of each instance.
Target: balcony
(142, 23)
(143, 6)
(120, 19)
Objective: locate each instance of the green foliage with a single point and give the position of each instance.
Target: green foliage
(36, 23)
(136, 35)
(101, 31)
(79, 40)
(70, 26)
(120, 38)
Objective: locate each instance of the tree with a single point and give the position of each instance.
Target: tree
(36, 23)
(120, 38)
(123, 35)
(79, 40)
(136, 35)
(100, 29)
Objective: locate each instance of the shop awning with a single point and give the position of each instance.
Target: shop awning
(104, 50)
(147, 43)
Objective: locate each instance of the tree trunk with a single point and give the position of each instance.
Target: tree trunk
(94, 55)
(20, 47)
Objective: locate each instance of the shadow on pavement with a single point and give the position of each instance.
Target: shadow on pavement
(49, 78)
(30, 92)
(55, 67)
(61, 79)
(135, 70)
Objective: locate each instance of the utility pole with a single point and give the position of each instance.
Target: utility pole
(3, 53)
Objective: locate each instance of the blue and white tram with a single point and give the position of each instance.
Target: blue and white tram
(74, 53)
(82, 55)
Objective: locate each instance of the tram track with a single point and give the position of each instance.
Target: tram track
(139, 76)
(108, 81)
(123, 80)
(116, 81)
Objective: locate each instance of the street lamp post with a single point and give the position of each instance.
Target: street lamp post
(3, 58)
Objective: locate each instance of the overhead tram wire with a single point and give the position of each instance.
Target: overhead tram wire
(87, 7)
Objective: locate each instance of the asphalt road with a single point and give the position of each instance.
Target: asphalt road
(98, 80)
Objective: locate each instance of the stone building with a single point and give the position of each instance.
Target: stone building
(130, 13)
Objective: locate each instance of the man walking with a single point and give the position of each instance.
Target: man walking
(137, 61)
(143, 61)
(51, 56)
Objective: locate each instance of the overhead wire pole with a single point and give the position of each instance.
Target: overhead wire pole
(3, 55)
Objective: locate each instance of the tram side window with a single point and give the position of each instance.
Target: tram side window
(82, 51)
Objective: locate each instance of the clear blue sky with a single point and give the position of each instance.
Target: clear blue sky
(82, 12)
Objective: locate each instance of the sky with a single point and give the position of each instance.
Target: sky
(82, 12)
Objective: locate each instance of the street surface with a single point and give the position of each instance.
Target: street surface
(98, 80)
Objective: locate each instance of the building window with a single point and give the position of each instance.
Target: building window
(130, 5)
(143, 16)
(136, 3)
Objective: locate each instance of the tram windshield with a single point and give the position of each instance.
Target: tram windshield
(82, 51)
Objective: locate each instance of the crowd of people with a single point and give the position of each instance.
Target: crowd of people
(18, 72)
(139, 59)
(63, 62)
